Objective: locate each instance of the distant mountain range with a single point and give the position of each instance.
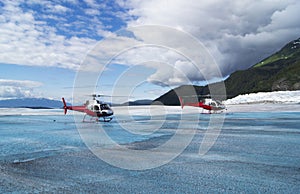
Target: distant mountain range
(44, 103)
(36, 103)
(278, 72)
(137, 103)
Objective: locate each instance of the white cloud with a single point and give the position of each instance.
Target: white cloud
(238, 33)
(20, 83)
(28, 39)
(91, 3)
(171, 68)
(176, 57)
(92, 11)
(59, 9)
(17, 88)
(14, 92)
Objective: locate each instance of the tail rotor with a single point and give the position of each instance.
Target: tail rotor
(181, 102)
(65, 105)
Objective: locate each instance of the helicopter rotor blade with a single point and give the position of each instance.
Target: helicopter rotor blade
(103, 95)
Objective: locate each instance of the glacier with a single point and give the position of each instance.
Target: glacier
(257, 150)
(292, 97)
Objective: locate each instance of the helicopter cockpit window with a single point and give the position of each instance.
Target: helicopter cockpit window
(213, 104)
(218, 102)
(104, 107)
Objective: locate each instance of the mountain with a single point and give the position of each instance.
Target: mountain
(171, 97)
(30, 103)
(137, 103)
(278, 72)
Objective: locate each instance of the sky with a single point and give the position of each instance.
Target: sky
(139, 49)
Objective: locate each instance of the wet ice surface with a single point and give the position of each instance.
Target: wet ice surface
(256, 151)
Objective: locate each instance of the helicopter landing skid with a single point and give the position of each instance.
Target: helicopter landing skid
(106, 119)
(93, 119)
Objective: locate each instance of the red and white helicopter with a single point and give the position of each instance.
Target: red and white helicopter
(207, 103)
(93, 108)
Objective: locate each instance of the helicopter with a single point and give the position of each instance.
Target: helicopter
(93, 108)
(207, 103)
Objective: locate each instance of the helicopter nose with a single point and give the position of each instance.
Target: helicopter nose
(107, 113)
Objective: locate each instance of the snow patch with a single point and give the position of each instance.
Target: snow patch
(266, 97)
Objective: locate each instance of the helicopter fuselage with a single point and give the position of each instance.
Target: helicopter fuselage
(92, 108)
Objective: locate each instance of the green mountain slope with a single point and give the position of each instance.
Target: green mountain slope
(278, 72)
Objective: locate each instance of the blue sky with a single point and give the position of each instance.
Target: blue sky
(44, 43)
